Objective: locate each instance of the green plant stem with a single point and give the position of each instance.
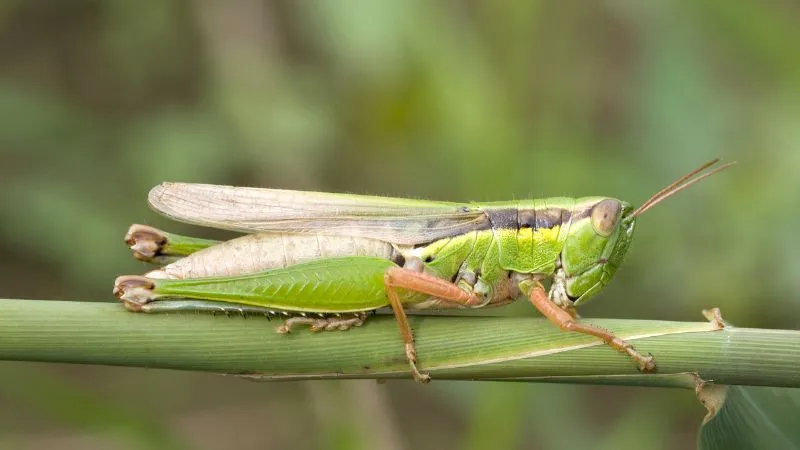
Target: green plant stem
(485, 348)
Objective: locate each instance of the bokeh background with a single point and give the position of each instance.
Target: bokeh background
(99, 101)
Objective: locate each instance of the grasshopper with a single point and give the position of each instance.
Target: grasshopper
(327, 261)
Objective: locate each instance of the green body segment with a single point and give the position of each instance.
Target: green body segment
(335, 285)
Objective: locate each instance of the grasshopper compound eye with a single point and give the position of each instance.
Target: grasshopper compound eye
(605, 215)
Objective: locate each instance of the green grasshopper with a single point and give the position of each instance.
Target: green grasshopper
(329, 260)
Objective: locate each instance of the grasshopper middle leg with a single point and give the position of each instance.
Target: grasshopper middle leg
(397, 277)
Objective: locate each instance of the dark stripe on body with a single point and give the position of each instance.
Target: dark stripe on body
(515, 218)
(503, 219)
(538, 219)
(583, 213)
(541, 219)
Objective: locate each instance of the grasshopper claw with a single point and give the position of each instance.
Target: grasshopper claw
(411, 356)
(647, 364)
(146, 242)
(134, 291)
(715, 317)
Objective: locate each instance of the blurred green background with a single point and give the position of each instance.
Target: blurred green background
(99, 101)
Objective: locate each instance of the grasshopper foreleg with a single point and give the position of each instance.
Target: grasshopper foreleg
(567, 322)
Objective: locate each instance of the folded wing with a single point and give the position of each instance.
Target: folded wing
(395, 220)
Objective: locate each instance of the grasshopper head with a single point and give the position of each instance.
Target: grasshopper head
(601, 233)
(596, 245)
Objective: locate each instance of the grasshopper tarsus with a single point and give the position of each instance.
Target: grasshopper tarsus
(714, 315)
(411, 357)
(647, 364)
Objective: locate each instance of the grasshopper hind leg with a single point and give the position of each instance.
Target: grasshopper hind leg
(148, 294)
(137, 294)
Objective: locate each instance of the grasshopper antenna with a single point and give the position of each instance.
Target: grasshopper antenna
(681, 184)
